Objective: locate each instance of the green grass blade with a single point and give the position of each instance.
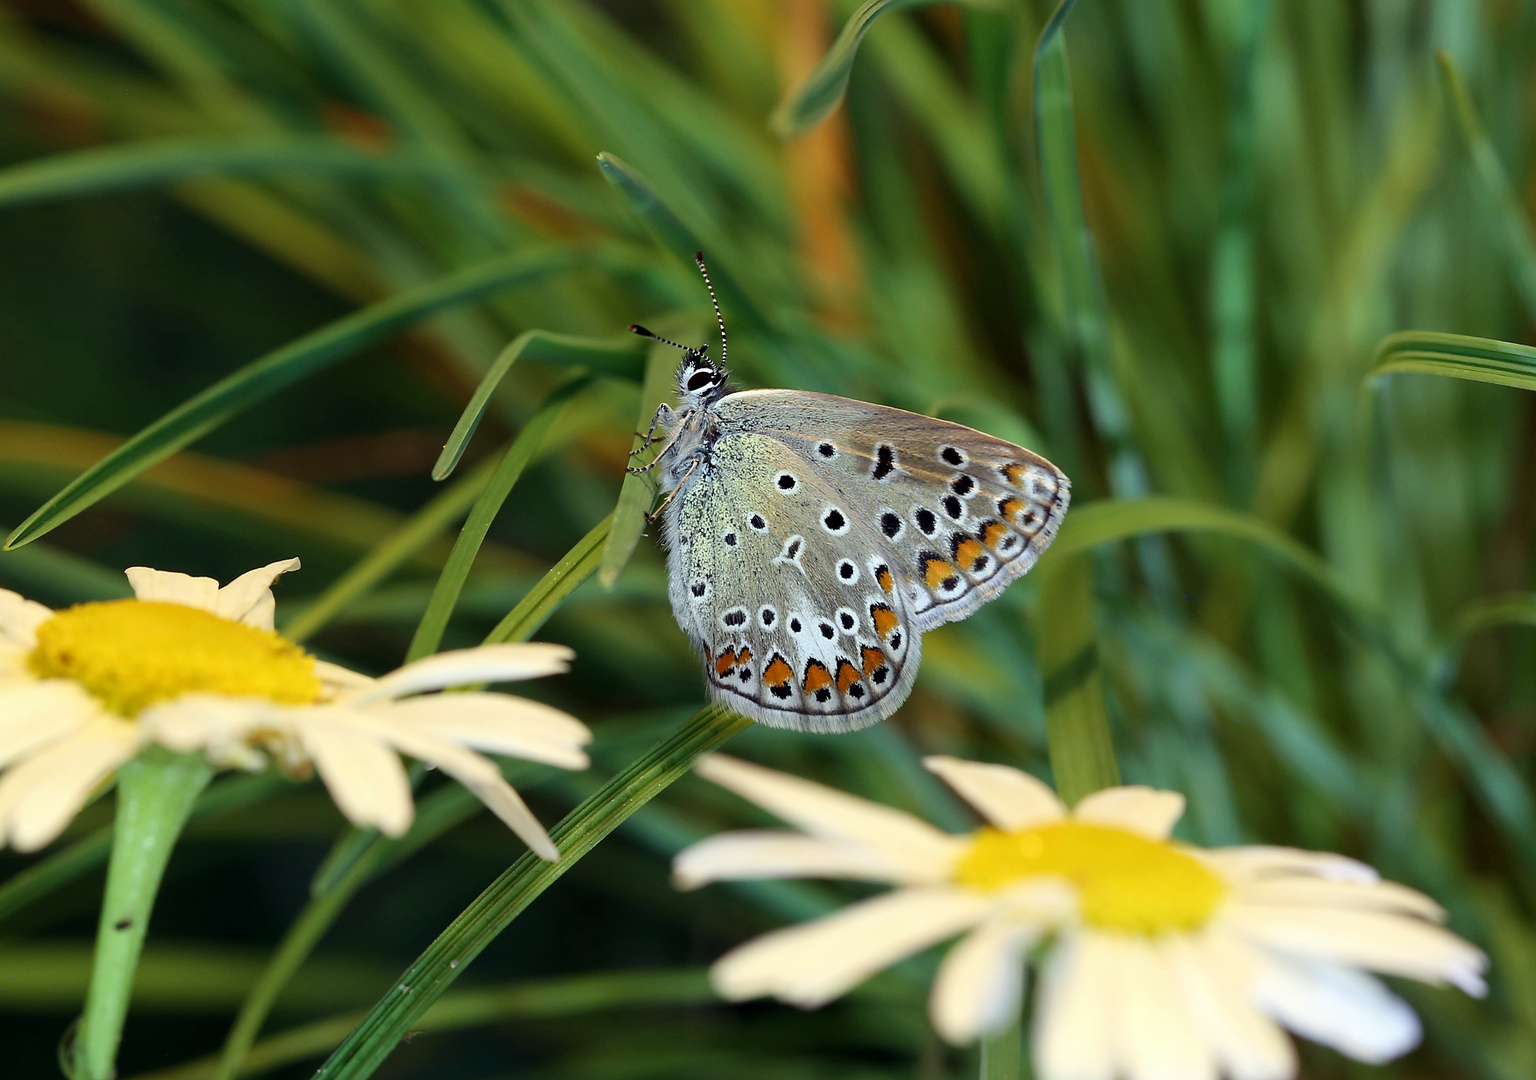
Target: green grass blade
(814, 99)
(1509, 609)
(196, 417)
(425, 981)
(390, 553)
(445, 595)
(618, 357)
(1455, 356)
(168, 161)
(678, 238)
(578, 564)
(1511, 224)
(1077, 726)
(639, 489)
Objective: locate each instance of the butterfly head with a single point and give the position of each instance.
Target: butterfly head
(700, 381)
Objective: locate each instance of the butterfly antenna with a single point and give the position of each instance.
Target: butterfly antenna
(636, 328)
(698, 257)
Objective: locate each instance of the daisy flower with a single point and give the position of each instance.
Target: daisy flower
(1164, 960)
(198, 668)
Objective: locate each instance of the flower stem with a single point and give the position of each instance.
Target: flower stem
(1077, 727)
(155, 793)
(1002, 1054)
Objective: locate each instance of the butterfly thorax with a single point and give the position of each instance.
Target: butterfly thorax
(694, 427)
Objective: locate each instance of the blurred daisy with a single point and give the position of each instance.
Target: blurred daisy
(1166, 960)
(195, 667)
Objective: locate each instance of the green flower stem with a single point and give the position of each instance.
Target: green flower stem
(494, 909)
(1002, 1055)
(155, 794)
(1077, 728)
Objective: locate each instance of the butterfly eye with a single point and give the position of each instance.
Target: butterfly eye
(700, 379)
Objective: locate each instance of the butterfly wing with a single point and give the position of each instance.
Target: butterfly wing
(958, 513)
(795, 608)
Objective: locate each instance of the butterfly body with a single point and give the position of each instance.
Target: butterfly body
(813, 539)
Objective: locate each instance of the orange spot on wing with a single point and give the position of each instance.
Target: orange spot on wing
(967, 552)
(817, 677)
(725, 663)
(778, 672)
(873, 659)
(883, 577)
(847, 675)
(1010, 508)
(993, 532)
(885, 619)
(1016, 474)
(936, 571)
(744, 657)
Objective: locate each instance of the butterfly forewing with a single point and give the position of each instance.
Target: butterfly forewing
(955, 513)
(785, 586)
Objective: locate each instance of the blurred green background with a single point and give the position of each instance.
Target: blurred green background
(1167, 267)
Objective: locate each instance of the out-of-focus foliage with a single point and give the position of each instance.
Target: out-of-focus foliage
(1162, 249)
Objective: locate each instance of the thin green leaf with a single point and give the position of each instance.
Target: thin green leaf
(425, 981)
(1511, 223)
(168, 161)
(1509, 609)
(1077, 726)
(1455, 356)
(578, 564)
(445, 595)
(619, 357)
(297, 360)
(639, 489)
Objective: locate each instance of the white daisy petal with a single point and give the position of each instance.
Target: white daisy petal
(1388, 943)
(1347, 1010)
(1135, 808)
(20, 618)
(1247, 1044)
(769, 853)
(484, 664)
(1258, 861)
(1076, 1012)
(168, 587)
(923, 852)
(218, 726)
(34, 714)
(1008, 798)
(1156, 1035)
(498, 723)
(811, 964)
(337, 678)
(980, 984)
(1320, 892)
(363, 775)
(248, 599)
(39, 797)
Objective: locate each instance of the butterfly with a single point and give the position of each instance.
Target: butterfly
(812, 540)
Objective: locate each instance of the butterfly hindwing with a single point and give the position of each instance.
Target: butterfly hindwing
(786, 590)
(957, 513)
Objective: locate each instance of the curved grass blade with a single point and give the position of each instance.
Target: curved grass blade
(425, 981)
(676, 237)
(144, 164)
(639, 489)
(568, 995)
(619, 357)
(1511, 224)
(390, 553)
(445, 594)
(578, 564)
(1456, 356)
(814, 99)
(299, 359)
(1077, 726)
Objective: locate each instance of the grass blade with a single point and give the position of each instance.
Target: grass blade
(1077, 726)
(1455, 356)
(445, 595)
(299, 359)
(578, 564)
(425, 981)
(611, 357)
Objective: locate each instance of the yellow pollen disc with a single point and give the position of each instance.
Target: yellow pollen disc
(1125, 882)
(132, 653)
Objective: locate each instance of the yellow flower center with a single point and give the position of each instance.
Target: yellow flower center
(1125, 882)
(132, 653)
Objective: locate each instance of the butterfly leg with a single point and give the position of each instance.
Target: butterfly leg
(663, 418)
(650, 519)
